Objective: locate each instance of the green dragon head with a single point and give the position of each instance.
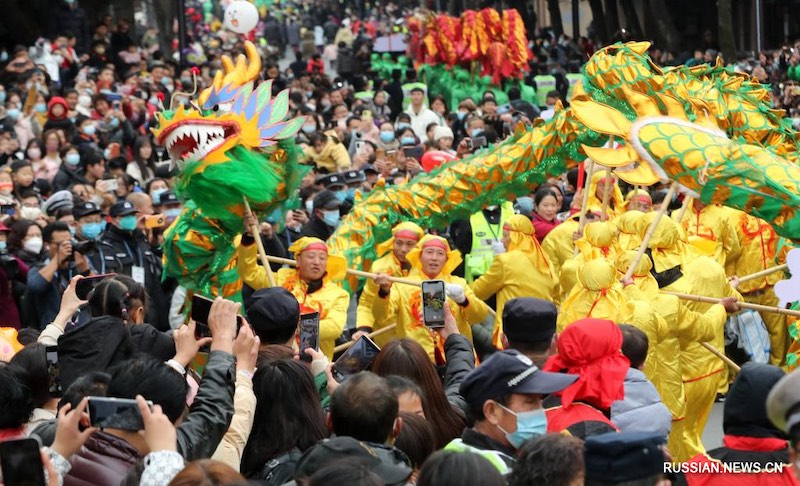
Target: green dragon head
(232, 112)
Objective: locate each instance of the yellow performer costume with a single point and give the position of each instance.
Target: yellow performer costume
(522, 271)
(598, 241)
(628, 225)
(598, 294)
(710, 232)
(559, 245)
(616, 203)
(758, 242)
(703, 373)
(404, 303)
(390, 265)
(330, 300)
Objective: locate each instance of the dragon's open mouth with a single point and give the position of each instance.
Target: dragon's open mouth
(194, 140)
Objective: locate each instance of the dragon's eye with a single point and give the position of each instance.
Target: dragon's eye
(215, 108)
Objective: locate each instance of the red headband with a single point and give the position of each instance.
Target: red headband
(437, 243)
(407, 234)
(316, 246)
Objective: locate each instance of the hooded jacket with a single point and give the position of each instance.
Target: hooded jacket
(95, 346)
(62, 122)
(641, 410)
(749, 437)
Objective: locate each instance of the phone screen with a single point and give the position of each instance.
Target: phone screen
(479, 142)
(21, 462)
(413, 152)
(357, 358)
(7, 210)
(433, 302)
(309, 334)
(201, 307)
(116, 413)
(85, 285)
(53, 372)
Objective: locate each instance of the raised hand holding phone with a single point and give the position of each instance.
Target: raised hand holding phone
(222, 322)
(186, 344)
(245, 348)
(159, 432)
(69, 437)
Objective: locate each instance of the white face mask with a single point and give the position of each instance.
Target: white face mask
(85, 101)
(30, 213)
(34, 245)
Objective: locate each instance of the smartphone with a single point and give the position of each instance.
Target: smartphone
(433, 302)
(53, 372)
(201, 308)
(7, 210)
(116, 105)
(392, 155)
(479, 142)
(87, 284)
(413, 152)
(116, 413)
(357, 358)
(380, 154)
(309, 334)
(21, 462)
(155, 221)
(360, 146)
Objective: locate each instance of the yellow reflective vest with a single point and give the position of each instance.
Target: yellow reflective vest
(483, 235)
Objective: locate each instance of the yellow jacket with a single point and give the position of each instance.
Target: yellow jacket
(759, 243)
(512, 275)
(333, 158)
(710, 232)
(331, 301)
(558, 244)
(404, 306)
(390, 265)
(628, 225)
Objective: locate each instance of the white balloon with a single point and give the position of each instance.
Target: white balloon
(241, 17)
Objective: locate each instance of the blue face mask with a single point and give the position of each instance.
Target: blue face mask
(387, 137)
(171, 214)
(461, 114)
(476, 132)
(40, 107)
(308, 129)
(525, 205)
(13, 113)
(408, 141)
(529, 425)
(91, 231)
(403, 125)
(351, 193)
(331, 218)
(107, 154)
(156, 195)
(72, 159)
(3, 246)
(127, 223)
(2, 96)
(341, 195)
(89, 130)
(114, 123)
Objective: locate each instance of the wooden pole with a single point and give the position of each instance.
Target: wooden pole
(371, 335)
(763, 273)
(585, 199)
(684, 207)
(722, 356)
(260, 245)
(606, 195)
(635, 198)
(358, 273)
(661, 211)
(744, 305)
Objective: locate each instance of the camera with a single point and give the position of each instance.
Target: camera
(82, 247)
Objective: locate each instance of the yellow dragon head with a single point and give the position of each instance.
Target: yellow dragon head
(232, 112)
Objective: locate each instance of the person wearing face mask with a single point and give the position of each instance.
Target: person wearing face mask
(480, 238)
(84, 105)
(69, 173)
(314, 283)
(89, 220)
(505, 395)
(171, 207)
(13, 276)
(125, 250)
(47, 282)
(325, 217)
(86, 139)
(387, 139)
(25, 242)
(392, 261)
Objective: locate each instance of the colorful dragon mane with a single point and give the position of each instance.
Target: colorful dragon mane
(234, 144)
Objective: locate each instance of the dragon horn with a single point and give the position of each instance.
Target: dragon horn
(254, 67)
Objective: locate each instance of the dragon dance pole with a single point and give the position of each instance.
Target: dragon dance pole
(651, 230)
(262, 252)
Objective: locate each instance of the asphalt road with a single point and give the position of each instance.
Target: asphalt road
(712, 436)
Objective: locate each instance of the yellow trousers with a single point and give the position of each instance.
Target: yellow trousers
(676, 443)
(776, 325)
(700, 395)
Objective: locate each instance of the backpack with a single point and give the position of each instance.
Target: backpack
(280, 470)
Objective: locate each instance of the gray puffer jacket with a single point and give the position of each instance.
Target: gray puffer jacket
(641, 410)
